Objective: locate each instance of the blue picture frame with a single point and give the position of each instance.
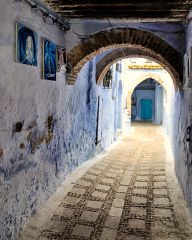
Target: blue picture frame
(26, 45)
(49, 60)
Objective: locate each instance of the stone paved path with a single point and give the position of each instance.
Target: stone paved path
(128, 195)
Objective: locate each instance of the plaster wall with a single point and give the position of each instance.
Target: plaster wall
(179, 119)
(58, 122)
(118, 107)
(108, 127)
(110, 110)
(158, 104)
(181, 148)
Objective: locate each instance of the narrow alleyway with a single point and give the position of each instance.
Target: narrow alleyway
(130, 194)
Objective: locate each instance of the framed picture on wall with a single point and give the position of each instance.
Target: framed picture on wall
(49, 60)
(26, 45)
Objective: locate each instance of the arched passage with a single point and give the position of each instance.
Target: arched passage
(109, 59)
(123, 38)
(147, 101)
(166, 83)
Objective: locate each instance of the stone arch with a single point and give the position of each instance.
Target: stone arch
(121, 38)
(109, 59)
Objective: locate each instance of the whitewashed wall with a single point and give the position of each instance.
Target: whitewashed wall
(34, 161)
(182, 119)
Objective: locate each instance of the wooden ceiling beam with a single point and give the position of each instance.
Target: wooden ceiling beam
(151, 13)
(115, 5)
(125, 9)
(92, 3)
(131, 8)
(127, 17)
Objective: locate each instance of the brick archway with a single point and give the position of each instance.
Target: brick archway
(109, 59)
(123, 38)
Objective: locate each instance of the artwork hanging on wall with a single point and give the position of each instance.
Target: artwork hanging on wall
(61, 58)
(49, 60)
(26, 45)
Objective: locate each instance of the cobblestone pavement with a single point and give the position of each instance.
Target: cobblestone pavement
(125, 196)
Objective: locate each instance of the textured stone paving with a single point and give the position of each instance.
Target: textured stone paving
(125, 196)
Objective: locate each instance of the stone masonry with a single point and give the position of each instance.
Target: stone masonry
(122, 38)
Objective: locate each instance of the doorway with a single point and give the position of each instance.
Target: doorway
(146, 109)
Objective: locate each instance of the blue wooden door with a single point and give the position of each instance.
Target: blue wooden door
(146, 109)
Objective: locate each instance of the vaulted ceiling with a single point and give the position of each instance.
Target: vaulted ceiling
(172, 10)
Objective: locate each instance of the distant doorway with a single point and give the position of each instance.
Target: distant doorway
(146, 109)
(147, 102)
